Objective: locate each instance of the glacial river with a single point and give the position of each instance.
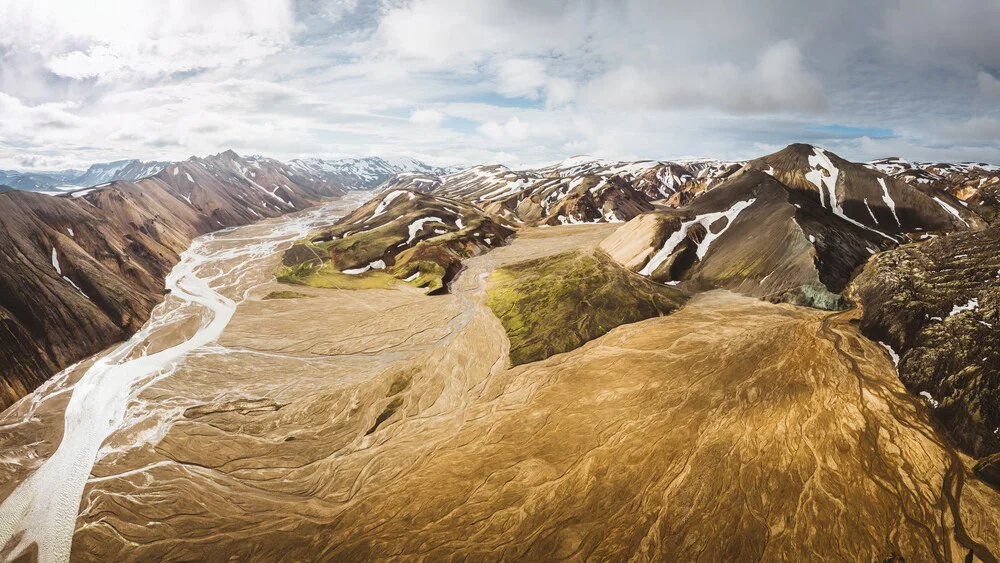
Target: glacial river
(214, 275)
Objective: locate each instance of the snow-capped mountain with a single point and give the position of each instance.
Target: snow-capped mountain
(38, 181)
(66, 180)
(361, 173)
(129, 170)
(974, 182)
(577, 190)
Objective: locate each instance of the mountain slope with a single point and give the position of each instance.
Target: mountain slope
(752, 235)
(937, 304)
(361, 173)
(865, 196)
(129, 170)
(415, 237)
(84, 270)
(788, 227)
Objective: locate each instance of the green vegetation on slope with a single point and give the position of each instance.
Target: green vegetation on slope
(326, 276)
(555, 304)
(419, 239)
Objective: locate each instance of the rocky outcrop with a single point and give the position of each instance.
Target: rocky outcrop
(937, 304)
(84, 270)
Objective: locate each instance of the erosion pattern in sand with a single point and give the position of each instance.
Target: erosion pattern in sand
(216, 273)
(384, 424)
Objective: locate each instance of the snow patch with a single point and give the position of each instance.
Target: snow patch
(930, 399)
(417, 225)
(951, 210)
(888, 200)
(706, 221)
(376, 265)
(386, 201)
(870, 212)
(972, 305)
(892, 354)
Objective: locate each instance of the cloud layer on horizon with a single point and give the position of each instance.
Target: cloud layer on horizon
(515, 81)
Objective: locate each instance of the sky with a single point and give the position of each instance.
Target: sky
(520, 82)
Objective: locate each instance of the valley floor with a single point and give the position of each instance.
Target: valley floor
(385, 424)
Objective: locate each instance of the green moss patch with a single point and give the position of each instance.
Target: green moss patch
(556, 304)
(325, 276)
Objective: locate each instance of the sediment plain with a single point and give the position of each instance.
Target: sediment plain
(387, 424)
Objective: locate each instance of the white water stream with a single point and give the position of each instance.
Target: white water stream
(213, 276)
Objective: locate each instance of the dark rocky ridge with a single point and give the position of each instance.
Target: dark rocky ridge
(937, 304)
(114, 245)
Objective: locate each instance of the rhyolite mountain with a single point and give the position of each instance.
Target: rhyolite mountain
(130, 170)
(415, 237)
(361, 173)
(84, 270)
(576, 190)
(791, 226)
(527, 344)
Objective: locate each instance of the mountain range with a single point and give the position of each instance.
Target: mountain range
(349, 173)
(789, 357)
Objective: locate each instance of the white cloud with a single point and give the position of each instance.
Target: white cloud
(116, 39)
(426, 117)
(980, 128)
(776, 83)
(528, 78)
(989, 86)
(521, 78)
(519, 81)
(513, 129)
